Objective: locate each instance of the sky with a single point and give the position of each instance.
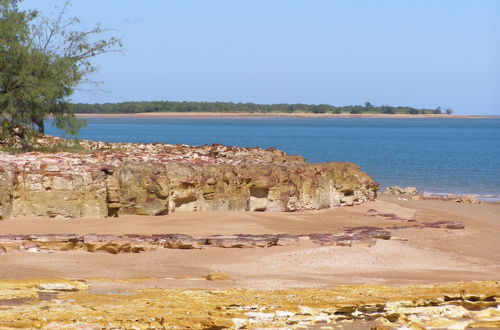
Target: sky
(419, 53)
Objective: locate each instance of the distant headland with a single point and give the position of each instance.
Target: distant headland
(170, 109)
(228, 115)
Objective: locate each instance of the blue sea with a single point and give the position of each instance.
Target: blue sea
(434, 155)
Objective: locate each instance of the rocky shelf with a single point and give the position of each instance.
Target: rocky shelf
(30, 304)
(111, 179)
(134, 243)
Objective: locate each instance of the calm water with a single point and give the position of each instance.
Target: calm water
(435, 155)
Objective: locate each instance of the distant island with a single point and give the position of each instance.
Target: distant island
(230, 107)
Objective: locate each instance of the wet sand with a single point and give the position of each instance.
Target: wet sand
(415, 256)
(220, 115)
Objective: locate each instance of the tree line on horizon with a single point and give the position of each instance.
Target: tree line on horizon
(171, 106)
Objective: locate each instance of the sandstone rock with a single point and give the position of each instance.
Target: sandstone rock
(436, 224)
(241, 241)
(284, 314)
(133, 243)
(306, 310)
(260, 317)
(285, 239)
(6, 186)
(239, 323)
(397, 190)
(179, 241)
(351, 235)
(484, 325)
(57, 287)
(156, 179)
(217, 276)
(444, 224)
(56, 242)
(466, 199)
(352, 306)
(114, 244)
(379, 327)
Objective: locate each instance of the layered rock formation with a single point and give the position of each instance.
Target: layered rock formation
(138, 243)
(134, 243)
(155, 179)
(70, 304)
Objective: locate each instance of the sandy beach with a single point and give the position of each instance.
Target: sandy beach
(421, 277)
(206, 115)
(412, 256)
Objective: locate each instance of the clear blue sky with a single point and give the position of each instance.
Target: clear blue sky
(421, 53)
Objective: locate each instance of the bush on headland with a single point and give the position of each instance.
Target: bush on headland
(222, 107)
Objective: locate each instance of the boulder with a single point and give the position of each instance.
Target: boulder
(178, 241)
(397, 191)
(217, 276)
(241, 241)
(466, 199)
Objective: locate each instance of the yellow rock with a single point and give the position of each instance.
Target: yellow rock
(216, 276)
(417, 326)
(380, 327)
(445, 323)
(197, 308)
(485, 324)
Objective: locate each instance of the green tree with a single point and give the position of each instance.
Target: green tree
(387, 109)
(368, 107)
(42, 61)
(448, 111)
(318, 109)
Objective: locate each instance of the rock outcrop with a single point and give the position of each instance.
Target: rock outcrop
(138, 243)
(466, 199)
(397, 191)
(414, 194)
(155, 179)
(71, 304)
(134, 243)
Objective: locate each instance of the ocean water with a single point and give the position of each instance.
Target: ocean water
(434, 155)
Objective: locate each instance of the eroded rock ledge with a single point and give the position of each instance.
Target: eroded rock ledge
(133, 243)
(138, 243)
(110, 179)
(64, 304)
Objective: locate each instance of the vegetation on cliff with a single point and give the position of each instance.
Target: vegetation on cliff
(42, 61)
(169, 106)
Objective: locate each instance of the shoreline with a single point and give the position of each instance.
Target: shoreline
(237, 115)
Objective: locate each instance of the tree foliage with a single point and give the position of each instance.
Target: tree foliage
(42, 61)
(167, 106)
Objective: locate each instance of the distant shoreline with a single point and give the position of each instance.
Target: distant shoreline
(224, 115)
